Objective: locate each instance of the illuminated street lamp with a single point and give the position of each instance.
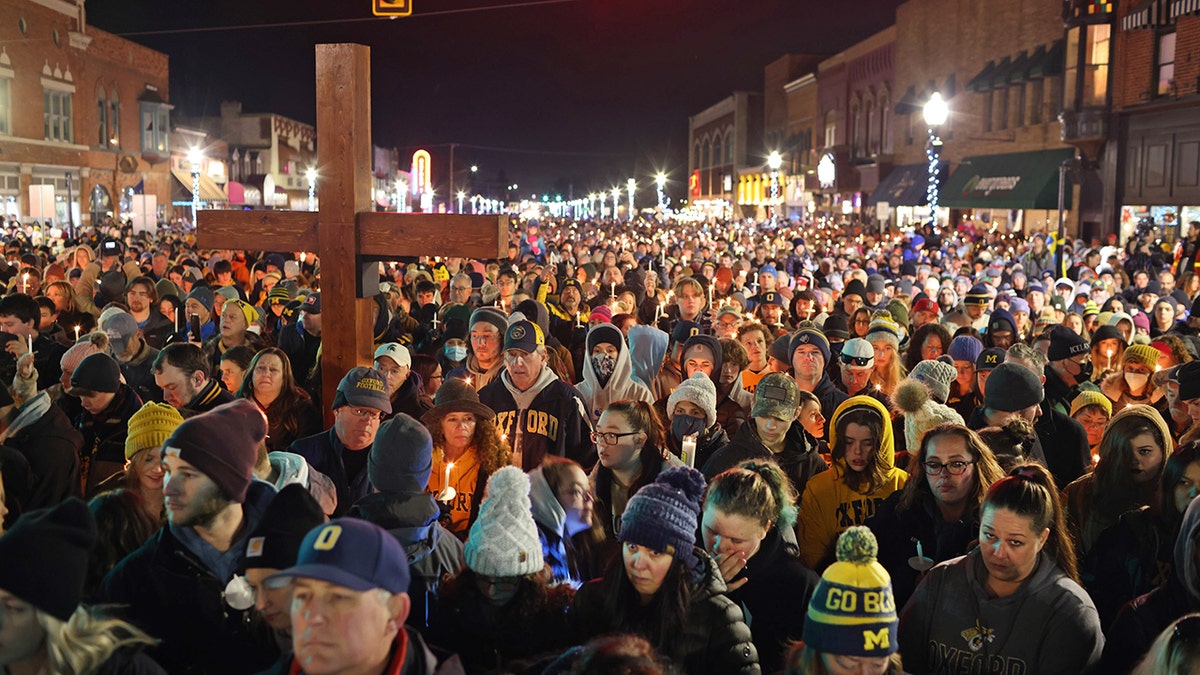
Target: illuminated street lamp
(774, 161)
(631, 185)
(616, 195)
(311, 175)
(661, 182)
(461, 196)
(935, 112)
(195, 157)
(401, 190)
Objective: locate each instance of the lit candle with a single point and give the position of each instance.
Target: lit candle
(435, 321)
(1109, 366)
(302, 260)
(612, 289)
(446, 480)
(77, 333)
(689, 450)
(25, 282)
(578, 323)
(29, 340)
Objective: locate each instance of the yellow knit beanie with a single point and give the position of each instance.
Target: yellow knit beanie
(150, 427)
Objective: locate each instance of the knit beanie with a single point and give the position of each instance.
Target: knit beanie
(401, 456)
(702, 343)
(504, 539)
(1011, 387)
(203, 295)
(44, 557)
(978, 295)
(899, 313)
(698, 390)
(605, 333)
(664, 515)
(855, 287)
(852, 611)
(921, 412)
(222, 444)
(248, 310)
(780, 349)
(92, 343)
(884, 328)
(965, 348)
(1001, 320)
(275, 542)
(1066, 343)
(278, 294)
(1189, 380)
(601, 313)
(1142, 354)
(150, 427)
(937, 376)
(489, 315)
(98, 372)
(810, 336)
(1087, 398)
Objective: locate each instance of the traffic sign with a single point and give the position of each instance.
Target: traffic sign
(391, 7)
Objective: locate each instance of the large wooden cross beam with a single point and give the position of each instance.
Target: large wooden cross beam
(349, 238)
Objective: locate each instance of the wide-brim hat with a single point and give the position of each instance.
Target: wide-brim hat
(455, 396)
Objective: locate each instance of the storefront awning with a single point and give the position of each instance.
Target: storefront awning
(908, 102)
(982, 81)
(209, 190)
(906, 185)
(1051, 63)
(1021, 180)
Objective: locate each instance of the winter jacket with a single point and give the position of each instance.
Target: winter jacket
(43, 434)
(211, 395)
(103, 451)
(800, 458)
(708, 442)
(166, 590)
(611, 498)
(157, 329)
(714, 639)
(829, 506)
(479, 378)
(731, 413)
(1139, 622)
(648, 349)
(1129, 559)
(288, 468)
(323, 452)
(549, 418)
(139, 374)
(620, 385)
(287, 423)
(131, 660)
(777, 586)
(433, 552)
(555, 533)
(831, 398)
(408, 399)
(1049, 626)
(898, 534)
(667, 380)
(47, 358)
(414, 659)
(1084, 521)
(1059, 395)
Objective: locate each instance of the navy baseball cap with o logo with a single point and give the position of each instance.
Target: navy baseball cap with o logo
(352, 553)
(524, 336)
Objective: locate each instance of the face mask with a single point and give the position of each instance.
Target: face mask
(1085, 372)
(685, 425)
(604, 365)
(1136, 380)
(456, 353)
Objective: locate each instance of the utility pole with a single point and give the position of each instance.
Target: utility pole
(450, 194)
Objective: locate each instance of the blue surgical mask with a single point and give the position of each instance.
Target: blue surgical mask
(685, 425)
(457, 353)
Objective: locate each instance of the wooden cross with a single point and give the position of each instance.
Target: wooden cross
(349, 238)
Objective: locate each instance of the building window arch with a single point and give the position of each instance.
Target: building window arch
(114, 119)
(101, 117)
(705, 158)
(830, 129)
(885, 123)
(871, 131)
(696, 155)
(715, 150)
(856, 131)
(728, 155)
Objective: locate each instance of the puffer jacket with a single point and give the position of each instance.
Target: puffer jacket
(800, 459)
(829, 506)
(620, 386)
(714, 640)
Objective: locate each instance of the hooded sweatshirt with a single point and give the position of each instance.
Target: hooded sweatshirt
(648, 348)
(1049, 626)
(620, 385)
(829, 505)
(555, 532)
(548, 418)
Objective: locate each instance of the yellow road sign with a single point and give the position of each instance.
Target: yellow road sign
(391, 7)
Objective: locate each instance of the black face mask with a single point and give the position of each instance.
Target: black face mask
(1085, 372)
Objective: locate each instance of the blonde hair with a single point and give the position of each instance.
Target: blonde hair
(82, 644)
(1169, 655)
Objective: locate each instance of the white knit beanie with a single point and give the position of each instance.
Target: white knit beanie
(699, 390)
(921, 413)
(504, 539)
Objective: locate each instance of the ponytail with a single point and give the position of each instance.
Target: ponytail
(1029, 490)
(755, 489)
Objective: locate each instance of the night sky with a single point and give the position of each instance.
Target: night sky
(597, 90)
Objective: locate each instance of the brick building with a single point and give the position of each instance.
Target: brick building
(84, 117)
(787, 129)
(725, 140)
(1001, 72)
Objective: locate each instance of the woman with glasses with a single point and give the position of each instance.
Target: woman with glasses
(936, 516)
(927, 343)
(632, 447)
(861, 322)
(563, 510)
(290, 412)
(1133, 450)
(748, 513)
(1014, 603)
(430, 371)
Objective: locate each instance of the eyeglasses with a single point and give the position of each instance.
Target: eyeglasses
(366, 413)
(610, 438)
(860, 361)
(955, 468)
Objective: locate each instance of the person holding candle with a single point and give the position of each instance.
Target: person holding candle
(1108, 345)
(467, 449)
(1131, 383)
(19, 318)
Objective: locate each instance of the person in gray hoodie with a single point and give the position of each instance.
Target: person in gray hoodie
(1014, 604)
(607, 372)
(398, 468)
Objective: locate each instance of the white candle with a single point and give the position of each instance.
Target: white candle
(578, 322)
(301, 259)
(612, 288)
(25, 282)
(435, 321)
(77, 333)
(1109, 366)
(29, 339)
(689, 450)
(178, 318)
(446, 480)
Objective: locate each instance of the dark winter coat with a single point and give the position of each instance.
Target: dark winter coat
(714, 640)
(323, 452)
(830, 397)
(51, 445)
(418, 659)
(1129, 559)
(103, 451)
(139, 374)
(157, 329)
(408, 399)
(164, 589)
(556, 421)
(211, 395)
(800, 458)
(1065, 444)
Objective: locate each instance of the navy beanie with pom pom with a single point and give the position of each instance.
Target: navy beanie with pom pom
(664, 515)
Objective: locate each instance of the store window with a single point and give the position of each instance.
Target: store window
(885, 124)
(5, 106)
(728, 146)
(1001, 102)
(58, 115)
(1018, 106)
(114, 120)
(101, 118)
(1166, 63)
(156, 125)
(872, 130)
(1086, 74)
(1037, 94)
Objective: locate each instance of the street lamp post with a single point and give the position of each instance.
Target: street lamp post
(774, 161)
(631, 186)
(311, 176)
(194, 158)
(935, 112)
(660, 181)
(616, 194)
(461, 195)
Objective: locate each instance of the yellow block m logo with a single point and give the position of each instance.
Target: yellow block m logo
(876, 639)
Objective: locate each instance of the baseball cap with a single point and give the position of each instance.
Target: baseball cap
(365, 387)
(858, 354)
(120, 328)
(351, 553)
(524, 335)
(777, 395)
(312, 304)
(990, 359)
(396, 352)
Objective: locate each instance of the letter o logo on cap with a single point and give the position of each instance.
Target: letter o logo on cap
(328, 538)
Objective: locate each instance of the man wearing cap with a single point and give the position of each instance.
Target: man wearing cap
(923, 311)
(484, 347)
(198, 303)
(854, 366)
(1063, 439)
(302, 341)
(770, 309)
(809, 355)
(134, 354)
(173, 587)
(394, 361)
(1069, 370)
(773, 433)
(350, 603)
(536, 412)
(181, 371)
(341, 452)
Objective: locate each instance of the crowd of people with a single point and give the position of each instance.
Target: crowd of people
(636, 447)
